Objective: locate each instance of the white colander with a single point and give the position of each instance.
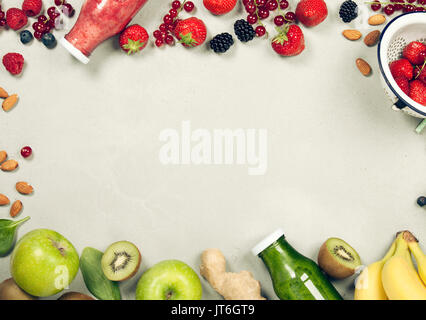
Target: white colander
(395, 36)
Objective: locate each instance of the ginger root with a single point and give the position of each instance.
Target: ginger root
(232, 286)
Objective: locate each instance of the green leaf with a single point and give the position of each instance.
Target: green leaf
(94, 278)
(187, 39)
(8, 234)
(133, 46)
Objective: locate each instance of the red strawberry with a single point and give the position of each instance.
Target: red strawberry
(401, 68)
(311, 12)
(16, 18)
(191, 32)
(32, 7)
(412, 52)
(289, 42)
(418, 92)
(219, 6)
(402, 82)
(420, 73)
(133, 39)
(13, 62)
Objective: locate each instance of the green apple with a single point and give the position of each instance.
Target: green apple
(169, 280)
(43, 263)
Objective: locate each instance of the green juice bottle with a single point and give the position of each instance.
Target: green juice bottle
(294, 276)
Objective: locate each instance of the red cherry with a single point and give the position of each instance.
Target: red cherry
(26, 151)
(189, 6)
(260, 31)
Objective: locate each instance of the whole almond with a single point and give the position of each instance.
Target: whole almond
(24, 188)
(10, 102)
(3, 93)
(372, 38)
(352, 34)
(363, 66)
(377, 19)
(4, 200)
(16, 208)
(9, 165)
(3, 156)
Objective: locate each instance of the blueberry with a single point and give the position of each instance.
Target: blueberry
(49, 40)
(421, 201)
(26, 36)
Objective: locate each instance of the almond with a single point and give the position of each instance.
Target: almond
(3, 93)
(24, 188)
(16, 208)
(372, 38)
(352, 34)
(4, 200)
(363, 66)
(9, 165)
(377, 19)
(10, 102)
(3, 156)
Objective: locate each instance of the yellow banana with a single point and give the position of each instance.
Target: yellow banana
(369, 283)
(400, 280)
(413, 245)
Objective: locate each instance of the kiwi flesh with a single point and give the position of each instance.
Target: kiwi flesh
(75, 296)
(121, 261)
(9, 290)
(338, 259)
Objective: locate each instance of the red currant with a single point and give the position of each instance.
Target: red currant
(290, 16)
(42, 19)
(284, 4)
(408, 8)
(189, 6)
(251, 8)
(169, 40)
(168, 19)
(26, 151)
(279, 20)
(38, 35)
(163, 27)
(2, 14)
(176, 5)
(68, 10)
(423, 55)
(389, 9)
(272, 5)
(260, 31)
(376, 6)
(157, 34)
(2, 22)
(173, 13)
(38, 26)
(260, 3)
(159, 42)
(52, 12)
(251, 18)
(263, 14)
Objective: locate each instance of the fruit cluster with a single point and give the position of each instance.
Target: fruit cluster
(393, 6)
(409, 72)
(164, 33)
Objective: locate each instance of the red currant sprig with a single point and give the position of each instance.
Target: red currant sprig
(170, 20)
(392, 6)
(45, 24)
(2, 18)
(259, 10)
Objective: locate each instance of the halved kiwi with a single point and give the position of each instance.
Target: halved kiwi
(9, 290)
(121, 261)
(75, 296)
(338, 259)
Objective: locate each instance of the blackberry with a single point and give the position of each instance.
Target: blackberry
(26, 36)
(221, 42)
(244, 30)
(421, 201)
(348, 11)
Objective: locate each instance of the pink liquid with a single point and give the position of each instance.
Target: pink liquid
(100, 20)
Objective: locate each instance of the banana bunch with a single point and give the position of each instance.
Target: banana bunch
(395, 276)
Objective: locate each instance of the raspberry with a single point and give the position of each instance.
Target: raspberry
(16, 18)
(32, 7)
(244, 30)
(13, 62)
(221, 43)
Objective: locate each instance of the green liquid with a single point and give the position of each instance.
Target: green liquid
(294, 276)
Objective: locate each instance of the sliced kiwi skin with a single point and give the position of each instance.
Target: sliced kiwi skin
(119, 251)
(342, 266)
(75, 296)
(9, 290)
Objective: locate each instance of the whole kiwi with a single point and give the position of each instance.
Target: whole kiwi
(75, 296)
(9, 290)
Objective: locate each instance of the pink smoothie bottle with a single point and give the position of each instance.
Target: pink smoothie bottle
(98, 20)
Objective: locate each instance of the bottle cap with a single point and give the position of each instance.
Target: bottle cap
(262, 245)
(74, 51)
